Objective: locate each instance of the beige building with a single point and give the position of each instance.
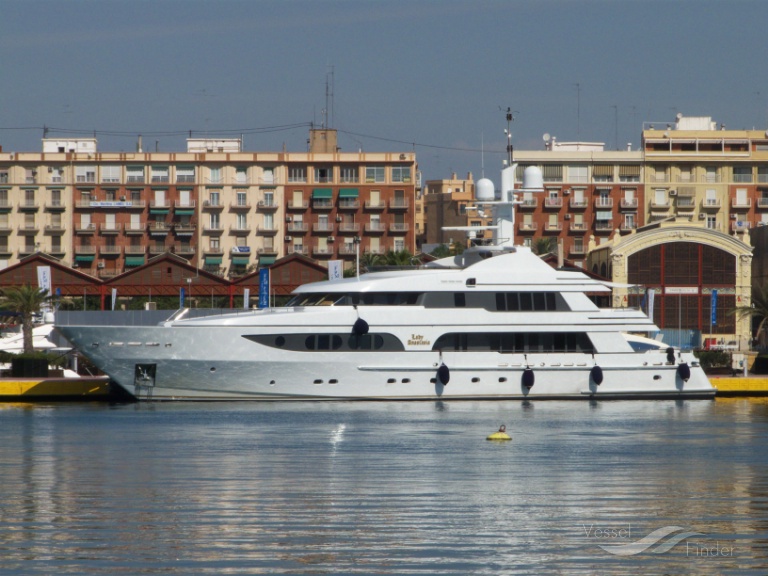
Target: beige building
(216, 205)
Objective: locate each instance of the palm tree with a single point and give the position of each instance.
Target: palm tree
(400, 258)
(26, 301)
(758, 309)
(368, 259)
(543, 246)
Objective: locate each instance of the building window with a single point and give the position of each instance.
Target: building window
(401, 174)
(85, 174)
(578, 173)
(134, 174)
(213, 197)
(297, 174)
(712, 222)
(215, 175)
(215, 222)
(110, 174)
(349, 174)
(241, 198)
(374, 174)
(185, 174)
(242, 222)
(241, 175)
(742, 174)
(323, 174)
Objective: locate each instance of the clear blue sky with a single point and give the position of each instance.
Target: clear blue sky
(424, 75)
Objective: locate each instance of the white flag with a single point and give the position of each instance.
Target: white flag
(246, 298)
(114, 297)
(334, 270)
(44, 278)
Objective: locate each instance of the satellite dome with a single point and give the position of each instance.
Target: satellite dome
(484, 190)
(532, 178)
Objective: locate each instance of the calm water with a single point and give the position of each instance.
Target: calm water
(384, 488)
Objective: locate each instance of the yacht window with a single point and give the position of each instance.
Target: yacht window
(515, 342)
(459, 300)
(526, 302)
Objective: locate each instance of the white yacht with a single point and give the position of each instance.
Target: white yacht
(495, 322)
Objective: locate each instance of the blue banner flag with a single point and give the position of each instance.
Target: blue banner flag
(714, 307)
(264, 288)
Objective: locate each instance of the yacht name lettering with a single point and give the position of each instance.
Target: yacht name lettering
(593, 532)
(418, 340)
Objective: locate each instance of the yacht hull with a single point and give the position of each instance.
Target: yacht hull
(219, 363)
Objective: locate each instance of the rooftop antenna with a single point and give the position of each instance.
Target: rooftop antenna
(329, 98)
(508, 131)
(578, 112)
(616, 124)
(482, 155)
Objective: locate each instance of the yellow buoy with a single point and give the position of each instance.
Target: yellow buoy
(500, 435)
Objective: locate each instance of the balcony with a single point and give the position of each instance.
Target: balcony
(741, 203)
(135, 250)
(322, 252)
(266, 230)
(627, 226)
(577, 249)
(660, 204)
(628, 204)
(685, 203)
(135, 179)
(604, 203)
(111, 228)
(575, 204)
(184, 249)
(209, 206)
(322, 203)
(54, 229)
(158, 249)
(375, 228)
(711, 204)
(297, 249)
(135, 228)
(158, 228)
(603, 226)
(349, 227)
(553, 202)
(553, 227)
(577, 227)
(762, 203)
(110, 250)
(349, 204)
(186, 205)
(185, 229)
(378, 205)
(159, 204)
(238, 207)
(399, 204)
(85, 228)
(212, 229)
(28, 228)
(528, 204)
(266, 206)
(398, 228)
(85, 250)
(347, 250)
(213, 251)
(28, 206)
(267, 251)
(303, 205)
(55, 206)
(185, 179)
(296, 227)
(527, 227)
(322, 227)
(242, 230)
(160, 179)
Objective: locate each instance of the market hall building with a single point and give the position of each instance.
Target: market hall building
(682, 263)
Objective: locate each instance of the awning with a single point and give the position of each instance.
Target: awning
(240, 261)
(85, 258)
(326, 193)
(183, 212)
(603, 215)
(348, 193)
(134, 260)
(266, 260)
(629, 170)
(602, 170)
(209, 260)
(159, 211)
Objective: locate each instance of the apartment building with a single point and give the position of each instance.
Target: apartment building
(223, 209)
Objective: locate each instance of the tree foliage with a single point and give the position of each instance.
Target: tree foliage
(26, 301)
(758, 310)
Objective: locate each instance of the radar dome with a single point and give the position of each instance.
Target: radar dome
(533, 179)
(484, 190)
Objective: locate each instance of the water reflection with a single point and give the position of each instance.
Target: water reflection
(394, 488)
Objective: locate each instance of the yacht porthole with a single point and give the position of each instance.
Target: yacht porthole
(502, 379)
(657, 377)
(433, 380)
(475, 379)
(333, 381)
(213, 369)
(318, 381)
(391, 381)
(271, 382)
